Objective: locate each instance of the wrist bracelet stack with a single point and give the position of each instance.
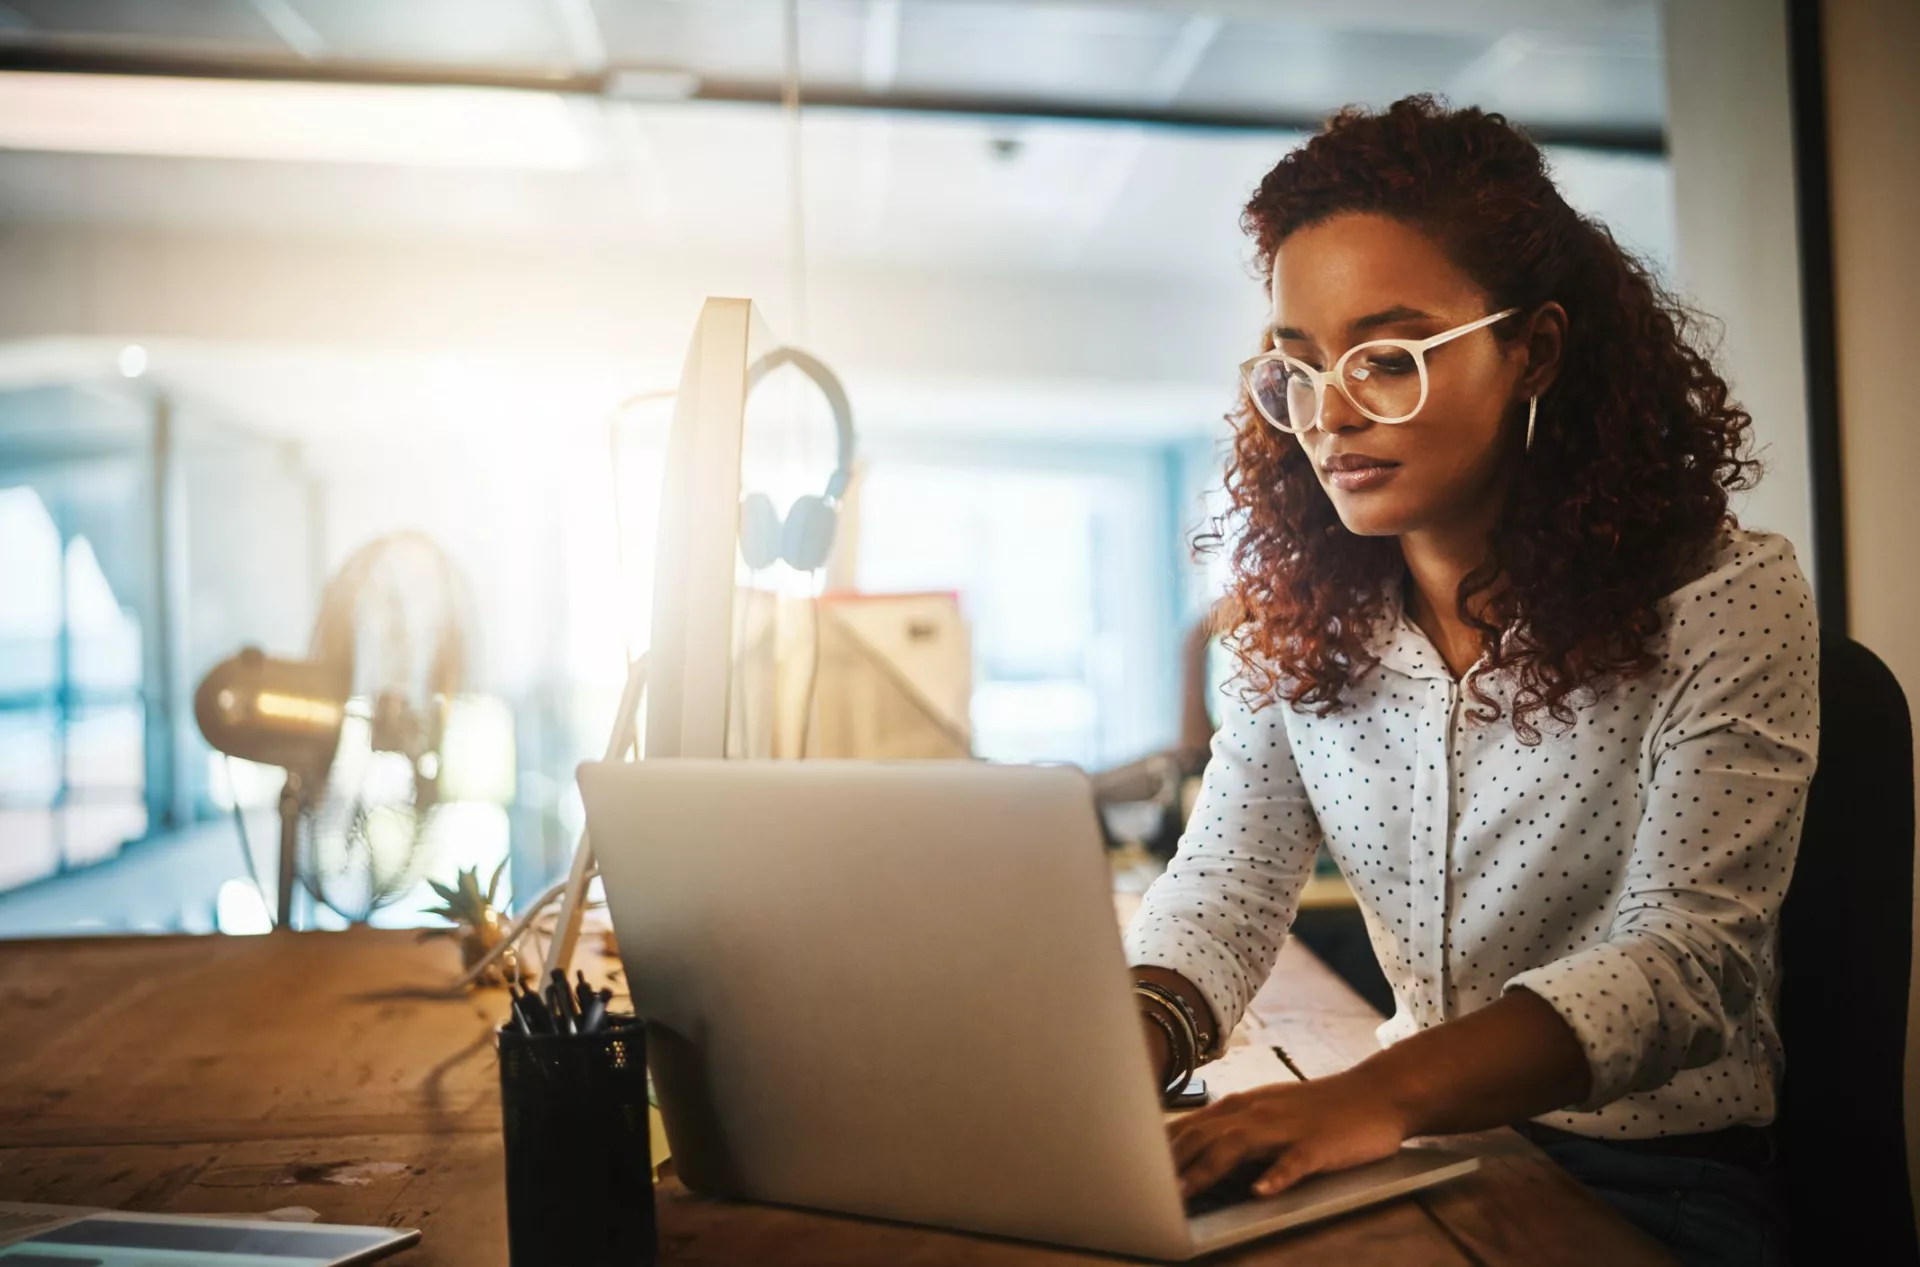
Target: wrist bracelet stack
(1178, 1083)
(1187, 1039)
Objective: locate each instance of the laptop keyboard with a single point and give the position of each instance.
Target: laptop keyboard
(1236, 1188)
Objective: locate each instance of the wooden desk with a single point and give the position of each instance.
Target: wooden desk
(243, 1074)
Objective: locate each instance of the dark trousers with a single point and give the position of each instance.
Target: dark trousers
(1708, 1213)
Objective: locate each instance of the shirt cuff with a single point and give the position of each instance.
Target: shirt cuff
(1606, 1000)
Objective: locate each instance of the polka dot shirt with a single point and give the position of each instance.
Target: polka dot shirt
(1628, 869)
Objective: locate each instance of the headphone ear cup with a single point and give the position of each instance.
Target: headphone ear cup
(807, 538)
(760, 531)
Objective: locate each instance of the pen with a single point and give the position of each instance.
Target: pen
(560, 1003)
(567, 1000)
(520, 1020)
(533, 1013)
(582, 991)
(593, 1017)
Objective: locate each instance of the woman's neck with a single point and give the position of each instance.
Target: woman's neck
(1438, 559)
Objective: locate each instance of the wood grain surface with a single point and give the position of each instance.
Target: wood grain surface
(318, 1069)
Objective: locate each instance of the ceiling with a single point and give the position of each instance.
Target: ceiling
(1139, 217)
(885, 190)
(958, 187)
(1553, 64)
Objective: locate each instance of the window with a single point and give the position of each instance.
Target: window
(1064, 562)
(72, 747)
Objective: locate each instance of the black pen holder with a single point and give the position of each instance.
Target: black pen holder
(573, 1110)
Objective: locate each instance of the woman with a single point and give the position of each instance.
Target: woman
(1507, 654)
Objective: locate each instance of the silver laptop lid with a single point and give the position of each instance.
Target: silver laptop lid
(895, 990)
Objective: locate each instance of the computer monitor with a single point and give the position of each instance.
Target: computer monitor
(692, 669)
(692, 653)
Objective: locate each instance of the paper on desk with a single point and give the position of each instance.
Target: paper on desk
(1249, 1061)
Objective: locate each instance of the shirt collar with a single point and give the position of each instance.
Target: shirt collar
(1399, 644)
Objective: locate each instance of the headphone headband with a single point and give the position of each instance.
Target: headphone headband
(829, 384)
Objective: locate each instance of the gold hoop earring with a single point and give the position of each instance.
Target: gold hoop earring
(1533, 407)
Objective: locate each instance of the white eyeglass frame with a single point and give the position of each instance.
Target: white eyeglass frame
(1320, 378)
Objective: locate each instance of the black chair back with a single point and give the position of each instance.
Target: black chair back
(1846, 932)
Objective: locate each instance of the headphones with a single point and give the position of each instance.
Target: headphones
(804, 535)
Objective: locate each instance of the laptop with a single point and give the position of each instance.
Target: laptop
(898, 991)
(81, 1236)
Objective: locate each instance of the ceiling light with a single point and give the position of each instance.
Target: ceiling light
(293, 122)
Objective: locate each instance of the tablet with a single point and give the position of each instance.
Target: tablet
(115, 1239)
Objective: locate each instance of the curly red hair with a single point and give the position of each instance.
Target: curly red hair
(1624, 488)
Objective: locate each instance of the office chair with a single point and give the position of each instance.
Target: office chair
(1845, 940)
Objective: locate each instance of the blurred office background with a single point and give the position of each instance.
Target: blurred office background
(284, 276)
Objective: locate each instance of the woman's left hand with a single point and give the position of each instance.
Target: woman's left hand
(1304, 1127)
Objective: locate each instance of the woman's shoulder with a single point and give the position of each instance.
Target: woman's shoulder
(1746, 585)
(1746, 557)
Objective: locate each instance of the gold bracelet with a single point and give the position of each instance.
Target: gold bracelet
(1190, 1041)
(1186, 1041)
(1203, 1042)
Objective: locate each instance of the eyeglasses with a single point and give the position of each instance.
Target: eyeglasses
(1385, 379)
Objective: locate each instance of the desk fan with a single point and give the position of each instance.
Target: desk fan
(357, 725)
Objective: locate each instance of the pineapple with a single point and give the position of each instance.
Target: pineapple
(475, 921)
